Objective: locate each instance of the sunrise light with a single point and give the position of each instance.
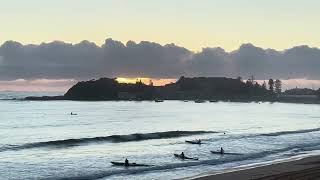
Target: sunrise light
(156, 82)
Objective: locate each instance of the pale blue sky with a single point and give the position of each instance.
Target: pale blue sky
(194, 24)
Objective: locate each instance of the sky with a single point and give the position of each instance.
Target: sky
(277, 24)
(131, 39)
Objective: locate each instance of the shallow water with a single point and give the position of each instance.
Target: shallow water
(40, 139)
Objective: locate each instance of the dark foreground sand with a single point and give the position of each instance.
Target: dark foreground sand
(306, 168)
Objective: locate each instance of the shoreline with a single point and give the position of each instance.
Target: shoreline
(306, 167)
(62, 98)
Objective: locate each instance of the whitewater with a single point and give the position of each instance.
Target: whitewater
(41, 140)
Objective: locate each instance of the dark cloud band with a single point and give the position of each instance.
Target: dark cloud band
(59, 60)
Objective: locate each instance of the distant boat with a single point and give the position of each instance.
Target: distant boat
(199, 101)
(73, 114)
(213, 100)
(158, 100)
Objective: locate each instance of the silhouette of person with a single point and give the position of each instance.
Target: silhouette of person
(182, 155)
(222, 150)
(126, 162)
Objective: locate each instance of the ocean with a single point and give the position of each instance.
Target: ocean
(41, 140)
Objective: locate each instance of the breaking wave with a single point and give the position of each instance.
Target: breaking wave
(112, 138)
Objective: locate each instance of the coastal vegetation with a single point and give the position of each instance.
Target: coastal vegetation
(186, 88)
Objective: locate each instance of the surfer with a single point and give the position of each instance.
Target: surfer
(126, 162)
(221, 151)
(182, 155)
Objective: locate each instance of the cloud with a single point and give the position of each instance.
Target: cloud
(86, 60)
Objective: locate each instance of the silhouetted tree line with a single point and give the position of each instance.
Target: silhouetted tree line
(108, 89)
(218, 88)
(275, 86)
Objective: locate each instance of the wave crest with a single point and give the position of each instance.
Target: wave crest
(112, 138)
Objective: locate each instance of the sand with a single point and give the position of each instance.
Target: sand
(305, 168)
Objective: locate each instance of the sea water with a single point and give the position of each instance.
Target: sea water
(41, 140)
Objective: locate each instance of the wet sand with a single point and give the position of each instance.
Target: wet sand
(305, 168)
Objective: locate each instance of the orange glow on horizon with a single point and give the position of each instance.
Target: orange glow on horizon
(156, 82)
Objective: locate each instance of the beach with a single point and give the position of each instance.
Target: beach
(305, 168)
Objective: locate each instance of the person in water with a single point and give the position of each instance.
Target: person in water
(126, 162)
(182, 155)
(221, 151)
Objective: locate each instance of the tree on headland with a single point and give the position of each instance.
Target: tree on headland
(249, 82)
(256, 85)
(277, 86)
(139, 82)
(271, 85)
(264, 85)
(150, 83)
